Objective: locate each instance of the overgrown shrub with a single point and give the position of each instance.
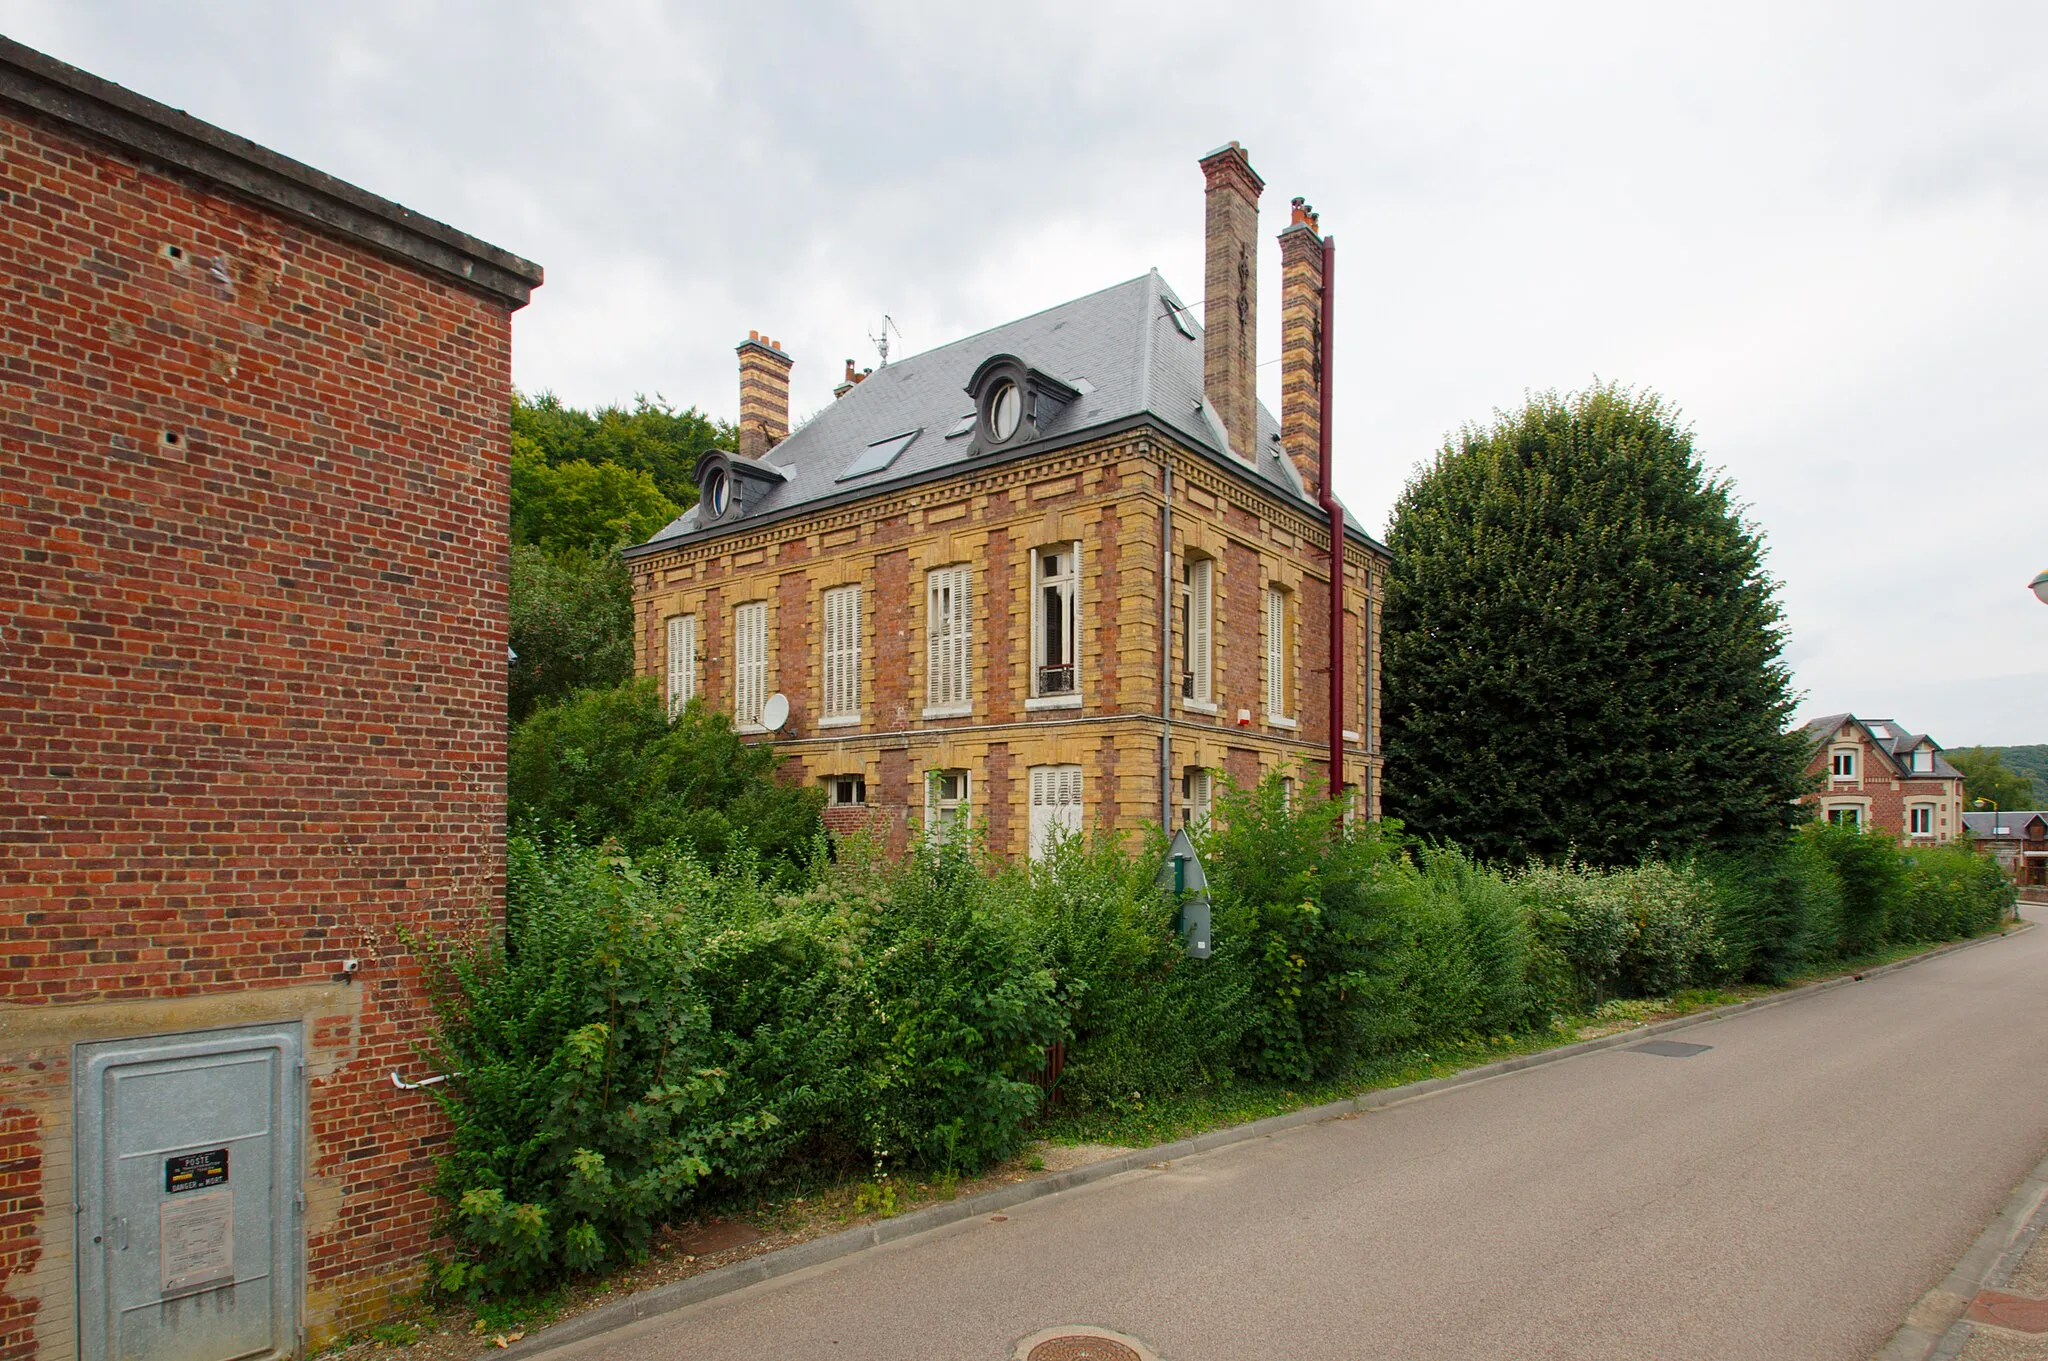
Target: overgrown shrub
(1321, 908)
(1639, 932)
(1872, 879)
(1952, 891)
(1143, 1019)
(609, 764)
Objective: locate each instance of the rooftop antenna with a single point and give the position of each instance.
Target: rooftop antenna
(881, 338)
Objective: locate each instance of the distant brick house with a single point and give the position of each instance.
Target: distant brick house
(1873, 773)
(1066, 572)
(253, 494)
(2017, 840)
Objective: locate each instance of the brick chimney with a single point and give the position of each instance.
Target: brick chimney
(1301, 344)
(1230, 296)
(764, 395)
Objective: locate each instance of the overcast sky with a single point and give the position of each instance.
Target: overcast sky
(1818, 229)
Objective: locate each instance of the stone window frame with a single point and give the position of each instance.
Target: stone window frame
(1278, 629)
(1198, 632)
(681, 659)
(949, 649)
(947, 816)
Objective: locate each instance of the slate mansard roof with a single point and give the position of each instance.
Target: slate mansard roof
(1890, 738)
(1133, 351)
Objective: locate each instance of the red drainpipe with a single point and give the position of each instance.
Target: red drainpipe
(1336, 514)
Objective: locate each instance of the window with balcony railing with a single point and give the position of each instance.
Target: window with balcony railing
(1055, 621)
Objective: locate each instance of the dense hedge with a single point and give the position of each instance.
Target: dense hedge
(649, 1029)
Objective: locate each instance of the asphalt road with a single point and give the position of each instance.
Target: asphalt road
(1789, 1193)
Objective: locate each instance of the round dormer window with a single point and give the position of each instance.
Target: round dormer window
(718, 492)
(1005, 410)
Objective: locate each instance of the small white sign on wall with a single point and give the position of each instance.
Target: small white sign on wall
(196, 1241)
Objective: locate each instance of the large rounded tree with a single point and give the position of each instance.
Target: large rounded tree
(1582, 647)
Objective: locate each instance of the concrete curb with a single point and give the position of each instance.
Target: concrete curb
(1936, 1329)
(663, 1299)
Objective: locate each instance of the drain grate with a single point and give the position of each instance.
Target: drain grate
(1670, 1049)
(1079, 1347)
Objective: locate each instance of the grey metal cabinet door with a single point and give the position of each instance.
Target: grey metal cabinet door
(188, 1194)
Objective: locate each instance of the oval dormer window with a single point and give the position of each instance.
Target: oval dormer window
(1005, 410)
(717, 492)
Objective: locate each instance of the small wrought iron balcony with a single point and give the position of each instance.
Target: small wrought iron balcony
(1056, 680)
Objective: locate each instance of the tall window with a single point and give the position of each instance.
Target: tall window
(1922, 819)
(749, 663)
(1055, 619)
(948, 625)
(1198, 592)
(1197, 794)
(946, 810)
(842, 654)
(1055, 805)
(682, 662)
(1845, 765)
(1278, 705)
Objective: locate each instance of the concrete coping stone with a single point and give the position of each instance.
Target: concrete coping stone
(113, 115)
(663, 1299)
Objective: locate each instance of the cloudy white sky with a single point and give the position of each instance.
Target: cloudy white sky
(1817, 228)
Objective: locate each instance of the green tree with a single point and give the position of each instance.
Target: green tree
(580, 505)
(1986, 776)
(650, 437)
(1582, 647)
(572, 624)
(609, 764)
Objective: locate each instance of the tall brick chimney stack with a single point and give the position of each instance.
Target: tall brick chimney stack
(1230, 296)
(1301, 344)
(764, 395)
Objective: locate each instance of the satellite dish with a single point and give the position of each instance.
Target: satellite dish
(775, 712)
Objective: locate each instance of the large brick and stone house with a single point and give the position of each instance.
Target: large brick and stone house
(1066, 572)
(1873, 773)
(253, 494)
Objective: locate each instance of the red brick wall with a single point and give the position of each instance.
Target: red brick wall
(252, 597)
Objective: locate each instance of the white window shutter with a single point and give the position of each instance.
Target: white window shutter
(948, 618)
(1276, 660)
(842, 652)
(682, 662)
(1055, 804)
(1200, 591)
(750, 662)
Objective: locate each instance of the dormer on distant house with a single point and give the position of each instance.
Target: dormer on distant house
(1060, 574)
(1875, 774)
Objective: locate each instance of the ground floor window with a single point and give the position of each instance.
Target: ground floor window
(946, 808)
(1055, 805)
(1846, 817)
(1920, 819)
(1197, 794)
(846, 790)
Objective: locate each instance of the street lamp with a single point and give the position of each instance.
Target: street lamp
(2041, 588)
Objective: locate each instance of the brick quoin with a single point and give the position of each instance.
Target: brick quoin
(253, 558)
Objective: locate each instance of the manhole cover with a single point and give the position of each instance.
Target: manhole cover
(1079, 1342)
(1670, 1049)
(1076, 1347)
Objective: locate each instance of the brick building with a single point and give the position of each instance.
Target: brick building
(252, 645)
(1061, 573)
(1873, 773)
(2017, 840)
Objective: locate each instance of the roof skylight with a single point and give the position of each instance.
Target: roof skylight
(963, 426)
(1179, 315)
(880, 455)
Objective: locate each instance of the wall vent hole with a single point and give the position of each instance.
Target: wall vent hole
(172, 439)
(176, 254)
